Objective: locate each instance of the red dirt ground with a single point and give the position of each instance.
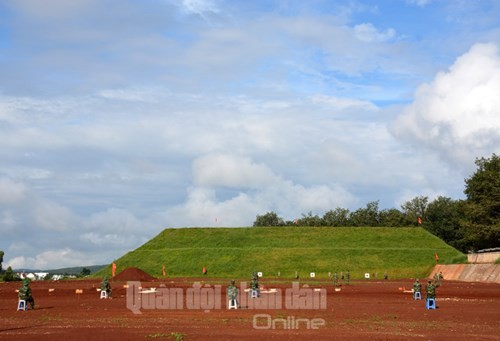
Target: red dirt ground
(362, 310)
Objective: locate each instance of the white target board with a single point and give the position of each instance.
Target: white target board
(313, 274)
(367, 275)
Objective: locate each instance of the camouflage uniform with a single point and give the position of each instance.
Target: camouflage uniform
(232, 292)
(347, 277)
(417, 287)
(436, 279)
(335, 279)
(254, 283)
(430, 290)
(25, 293)
(105, 286)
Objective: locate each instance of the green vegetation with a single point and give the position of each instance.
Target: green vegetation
(236, 252)
(174, 335)
(177, 336)
(9, 275)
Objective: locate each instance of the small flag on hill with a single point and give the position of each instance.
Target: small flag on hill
(204, 270)
(164, 272)
(419, 220)
(436, 257)
(113, 269)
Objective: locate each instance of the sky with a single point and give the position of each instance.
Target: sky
(120, 118)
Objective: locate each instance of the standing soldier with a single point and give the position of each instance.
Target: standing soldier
(347, 277)
(430, 290)
(440, 278)
(25, 293)
(335, 278)
(436, 279)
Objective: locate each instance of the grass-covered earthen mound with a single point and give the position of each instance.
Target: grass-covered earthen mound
(281, 252)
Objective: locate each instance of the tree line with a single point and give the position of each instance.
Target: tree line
(468, 225)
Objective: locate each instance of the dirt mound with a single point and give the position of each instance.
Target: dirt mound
(133, 274)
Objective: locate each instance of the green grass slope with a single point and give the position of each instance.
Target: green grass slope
(236, 252)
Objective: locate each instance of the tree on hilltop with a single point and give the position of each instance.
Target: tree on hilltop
(269, 219)
(481, 224)
(414, 209)
(444, 216)
(85, 272)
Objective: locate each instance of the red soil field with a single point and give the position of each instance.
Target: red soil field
(373, 310)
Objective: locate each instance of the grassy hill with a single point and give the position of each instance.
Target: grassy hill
(236, 252)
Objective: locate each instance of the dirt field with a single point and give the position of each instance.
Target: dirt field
(373, 310)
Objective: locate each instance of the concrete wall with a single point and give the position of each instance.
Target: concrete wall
(486, 257)
(489, 273)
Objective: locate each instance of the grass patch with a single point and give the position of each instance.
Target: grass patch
(173, 335)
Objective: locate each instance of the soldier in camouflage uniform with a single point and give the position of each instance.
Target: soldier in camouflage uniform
(335, 278)
(254, 283)
(417, 287)
(232, 293)
(436, 279)
(430, 290)
(25, 293)
(347, 276)
(105, 286)
(440, 278)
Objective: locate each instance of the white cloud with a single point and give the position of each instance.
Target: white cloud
(203, 209)
(113, 240)
(53, 259)
(231, 171)
(458, 114)
(200, 7)
(52, 216)
(268, 192)
(339, 104)
(113, 220)
(368, 33)
(8, 222)
(11, 192)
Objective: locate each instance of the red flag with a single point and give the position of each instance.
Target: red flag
(113, 269)
(419, 220)
(163, 270)
(436, 257)
(204, 270)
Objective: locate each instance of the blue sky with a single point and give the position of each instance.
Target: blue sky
(121, 118)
